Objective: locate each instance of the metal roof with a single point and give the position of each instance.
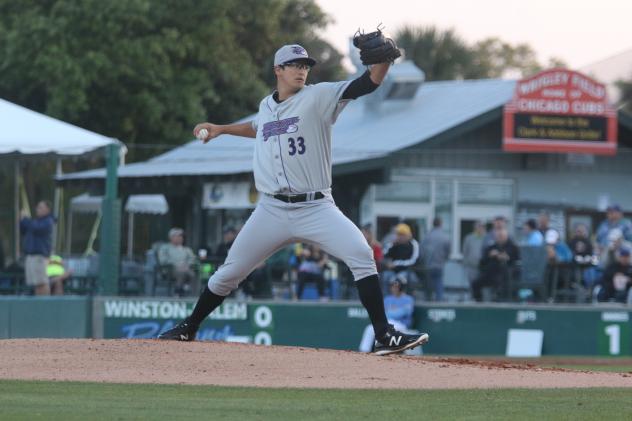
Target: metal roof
(364, 130)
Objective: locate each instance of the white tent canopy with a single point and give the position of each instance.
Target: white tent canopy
(28, 132)
(138, 203)
(155, 204)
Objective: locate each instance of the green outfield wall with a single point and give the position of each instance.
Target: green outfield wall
(45, 317)
(457, 329)
(454, 329)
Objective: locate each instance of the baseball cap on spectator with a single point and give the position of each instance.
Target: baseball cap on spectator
(624, 252)
(551, 237)
(613, 208)
(175, 231)
(292, 53)
(403, 229)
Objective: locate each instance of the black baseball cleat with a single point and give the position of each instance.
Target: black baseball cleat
(394, 341)
(183, 331)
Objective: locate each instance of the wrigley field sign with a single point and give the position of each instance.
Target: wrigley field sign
(560, 110)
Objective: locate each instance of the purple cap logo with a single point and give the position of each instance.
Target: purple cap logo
(297, 49)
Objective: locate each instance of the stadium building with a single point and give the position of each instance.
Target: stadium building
(462, 150)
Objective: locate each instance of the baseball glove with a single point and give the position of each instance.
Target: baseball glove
(375, 47)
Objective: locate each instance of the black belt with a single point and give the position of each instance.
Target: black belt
(297, 198)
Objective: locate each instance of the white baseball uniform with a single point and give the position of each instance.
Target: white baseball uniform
(293, 156)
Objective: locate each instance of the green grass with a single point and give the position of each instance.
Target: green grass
(28, 400)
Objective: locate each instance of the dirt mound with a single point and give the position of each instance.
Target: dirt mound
(229, 364)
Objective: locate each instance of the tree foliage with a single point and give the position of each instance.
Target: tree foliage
(145, 71)
(444, 55)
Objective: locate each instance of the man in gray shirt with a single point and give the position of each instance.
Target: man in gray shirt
(473, 250)
(436, 251)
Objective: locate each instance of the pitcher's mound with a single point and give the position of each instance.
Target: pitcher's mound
(229, 364)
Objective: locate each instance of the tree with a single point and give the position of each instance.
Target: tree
(145, 71)
(444, 55)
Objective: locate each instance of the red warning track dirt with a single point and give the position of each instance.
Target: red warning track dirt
(229, 364)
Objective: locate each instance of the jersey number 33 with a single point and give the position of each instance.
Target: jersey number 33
(296, 146)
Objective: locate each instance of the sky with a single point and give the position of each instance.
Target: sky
(579, 32)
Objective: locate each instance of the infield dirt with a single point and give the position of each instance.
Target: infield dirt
(229, 364)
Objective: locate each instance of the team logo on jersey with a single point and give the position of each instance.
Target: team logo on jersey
(276, 128)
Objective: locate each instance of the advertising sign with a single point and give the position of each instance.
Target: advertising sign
(561, 111)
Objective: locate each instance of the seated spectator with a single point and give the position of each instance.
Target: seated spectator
(617, 278)
(499, 223)
(57, 274)
(495, 264)
(182, 260)
(401, 256)
(399, 308)
(585, 273)
(311, 269)
(580, 245)
(532, 237)
(378, 254)
(229, 235)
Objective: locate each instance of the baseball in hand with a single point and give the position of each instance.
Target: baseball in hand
(202, 134)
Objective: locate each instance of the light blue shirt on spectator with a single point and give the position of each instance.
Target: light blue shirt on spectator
(605, 227)
(400, 308)
(535, 238)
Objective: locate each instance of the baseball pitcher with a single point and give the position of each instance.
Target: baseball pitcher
(292, 170)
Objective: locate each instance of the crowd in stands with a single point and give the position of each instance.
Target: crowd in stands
(493, 262)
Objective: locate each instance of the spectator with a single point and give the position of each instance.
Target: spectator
(473, 250)
(580, 245)
(37, 233)
(399, 308)
(617, 278)
(496, 264)
(614, 219)
(229, 235)
(584, 272)
(378, 254)
(182, 260)
(436, 251)
(544, 224)
(311, 269)
(401, 256)
(611, 233)
(532, 237)
(57, 274)
(499, 222)
(557, 250)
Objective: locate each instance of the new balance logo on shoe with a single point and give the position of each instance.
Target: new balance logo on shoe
(395, 340)
(184, 337)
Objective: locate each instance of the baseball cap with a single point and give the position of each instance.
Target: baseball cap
(614, 207)
(403, 229)
(624, 252)
(175, 231)
(292, 52)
